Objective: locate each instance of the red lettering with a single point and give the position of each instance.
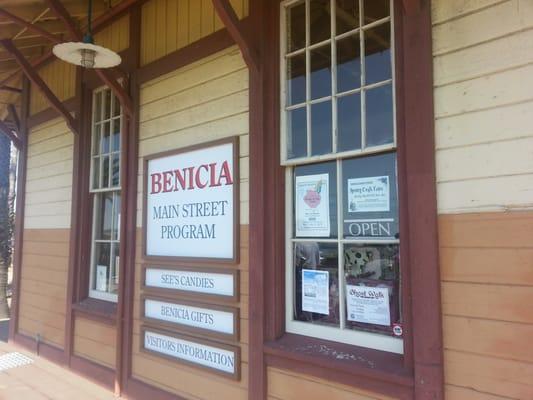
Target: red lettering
(156, 183)
(199, 184)
(167, 181)
(225, 173)
(179, 179)
(191, 177)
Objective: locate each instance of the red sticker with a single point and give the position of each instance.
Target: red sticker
(397, 329)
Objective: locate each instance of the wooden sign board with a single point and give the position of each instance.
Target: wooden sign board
(205, 320)
(215, 284)
(222, 359)
(191, 203)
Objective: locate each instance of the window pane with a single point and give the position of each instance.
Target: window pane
(116, 217)
(348, 63)
(316, 278)
(370, 197)
(347, 15)
(104, 212)
(297, 133)
(115, 167)
(114, 275)
(296, 79)
(105, 172)
(377, 54)
(106, 127)
(379, 116)
(372, 274)
(296, 27)
(116, 134)
(315, 200)
(320, 22)
(97, 139)
(321, 72)
(107, 103)
(116, 106)
(97, 107)
(102, 267)
(376, 10)
(349, 122)
(321, 128)
(96, 172)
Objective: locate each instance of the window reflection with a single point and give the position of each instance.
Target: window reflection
(347, 15)
(379, 116)
(296, 27)
(320, 72)
(377, 54)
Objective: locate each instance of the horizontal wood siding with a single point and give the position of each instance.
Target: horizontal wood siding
(487, 292)
(49, 177)
(483, 55)
(45, 249)
(285, 385)
(169, 25)
(95, 341)
(60, 78)
(204, 101)
(43, 285)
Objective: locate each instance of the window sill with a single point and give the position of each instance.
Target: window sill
(367, 369)
(98, 310)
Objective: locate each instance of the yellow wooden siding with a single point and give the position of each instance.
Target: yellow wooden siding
(60, 78)
(201, 102)
(43, 284)
(49, 176)
(115, 36)
(288, 385)
(95, 341)
(45, 246)
(487, 290)
(169, 25)
(483, 55)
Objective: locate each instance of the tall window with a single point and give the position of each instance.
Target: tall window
(339, 149)
(105, 188)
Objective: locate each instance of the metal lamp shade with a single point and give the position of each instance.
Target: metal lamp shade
(87, 55)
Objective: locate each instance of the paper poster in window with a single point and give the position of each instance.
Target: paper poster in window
(312, 205)
(368, 304)
(315, 291)
(370, 194)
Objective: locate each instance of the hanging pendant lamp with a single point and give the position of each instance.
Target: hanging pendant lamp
(86, 53)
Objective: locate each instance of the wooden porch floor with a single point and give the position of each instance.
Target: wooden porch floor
(43, 380)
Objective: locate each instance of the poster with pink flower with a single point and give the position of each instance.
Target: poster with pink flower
(312, 205)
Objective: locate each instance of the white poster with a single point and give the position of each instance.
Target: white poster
(371, 194)
(368, 304)
(312, 205)
(189, 203)
(101, 278)
(315, 291)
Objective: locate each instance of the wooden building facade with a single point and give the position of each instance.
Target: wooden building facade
(429, 101)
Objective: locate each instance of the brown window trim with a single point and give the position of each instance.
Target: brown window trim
(97, 310)
(419, 372)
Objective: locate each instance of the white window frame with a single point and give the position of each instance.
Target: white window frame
(96, 294)
(354, 337)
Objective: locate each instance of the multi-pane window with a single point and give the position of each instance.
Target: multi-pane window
(105, 189)
(339, 148)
